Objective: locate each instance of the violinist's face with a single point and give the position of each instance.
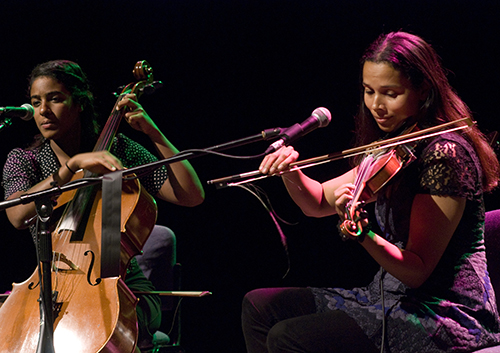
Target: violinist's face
(56, 114)
(389, 95)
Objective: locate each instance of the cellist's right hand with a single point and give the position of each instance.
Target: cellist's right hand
(278, 161)
(100, 162)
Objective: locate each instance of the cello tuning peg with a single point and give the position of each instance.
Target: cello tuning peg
(152, 87)
(118, 90)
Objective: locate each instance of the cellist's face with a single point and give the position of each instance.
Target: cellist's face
(57, 116)
(389, 95)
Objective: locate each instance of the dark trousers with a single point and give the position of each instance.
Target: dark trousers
(279, 320)
(153, 271)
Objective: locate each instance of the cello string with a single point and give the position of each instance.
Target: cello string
(104, 141)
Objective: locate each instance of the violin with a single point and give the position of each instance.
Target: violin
(90, 313)
(373, 173)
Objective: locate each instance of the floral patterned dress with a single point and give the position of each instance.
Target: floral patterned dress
(455, 309)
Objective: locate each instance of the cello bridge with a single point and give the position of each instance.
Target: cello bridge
(60, 257)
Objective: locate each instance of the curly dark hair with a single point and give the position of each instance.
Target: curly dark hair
(71, 75)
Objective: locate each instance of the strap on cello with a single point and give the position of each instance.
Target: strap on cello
(111, 224)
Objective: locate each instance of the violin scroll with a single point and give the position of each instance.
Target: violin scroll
(351, 228)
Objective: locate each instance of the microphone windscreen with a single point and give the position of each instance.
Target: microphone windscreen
(30, 112)
(323, 115)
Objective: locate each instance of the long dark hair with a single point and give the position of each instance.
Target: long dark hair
(420, 64)
(71, 75)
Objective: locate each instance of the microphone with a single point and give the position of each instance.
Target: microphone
(320, 117)
(25, 111)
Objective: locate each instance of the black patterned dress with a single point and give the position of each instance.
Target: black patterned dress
(455, 309)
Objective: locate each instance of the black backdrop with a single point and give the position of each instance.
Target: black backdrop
(231, 69)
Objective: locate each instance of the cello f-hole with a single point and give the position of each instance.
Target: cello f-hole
(91, 266)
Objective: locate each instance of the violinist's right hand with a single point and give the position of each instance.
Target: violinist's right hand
(278, 161)
(100, 162)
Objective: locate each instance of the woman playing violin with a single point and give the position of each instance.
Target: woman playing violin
(432, 283)
(65, 116)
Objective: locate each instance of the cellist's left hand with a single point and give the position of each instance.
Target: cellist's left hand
(136, 116)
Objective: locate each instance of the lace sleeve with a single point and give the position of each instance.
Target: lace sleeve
(450, 167)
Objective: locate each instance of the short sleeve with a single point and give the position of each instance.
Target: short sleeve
(20, 171)
(133, 154)
(450, 167)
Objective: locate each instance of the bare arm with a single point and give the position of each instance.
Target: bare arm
(183, 187)
(314, 199)
(433, 221)
(96, 162)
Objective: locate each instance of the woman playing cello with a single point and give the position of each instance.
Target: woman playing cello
(432, 292)
(65, 116)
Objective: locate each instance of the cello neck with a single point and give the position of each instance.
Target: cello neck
(144, 74)
(109, 131)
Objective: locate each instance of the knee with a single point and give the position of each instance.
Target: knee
(248, 303)
(161, 244)
(255, 300)
(163, 235)
(254, 306)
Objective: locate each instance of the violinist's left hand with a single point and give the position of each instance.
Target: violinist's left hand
(360, 216)
(343, 195)
(136, 116)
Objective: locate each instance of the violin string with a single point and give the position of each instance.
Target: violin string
(363, 170)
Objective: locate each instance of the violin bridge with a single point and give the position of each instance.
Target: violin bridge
(407, 154)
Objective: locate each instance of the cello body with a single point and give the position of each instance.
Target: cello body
(90, 315)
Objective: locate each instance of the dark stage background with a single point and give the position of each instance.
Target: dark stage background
(231, 69)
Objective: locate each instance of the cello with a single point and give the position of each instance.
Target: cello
(90, 313)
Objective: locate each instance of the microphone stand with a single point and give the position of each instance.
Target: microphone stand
(45, 340)
(5, 123)
(264, 135)
(44, 209)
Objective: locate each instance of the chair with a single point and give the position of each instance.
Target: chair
(158, 263)
(492, 241)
